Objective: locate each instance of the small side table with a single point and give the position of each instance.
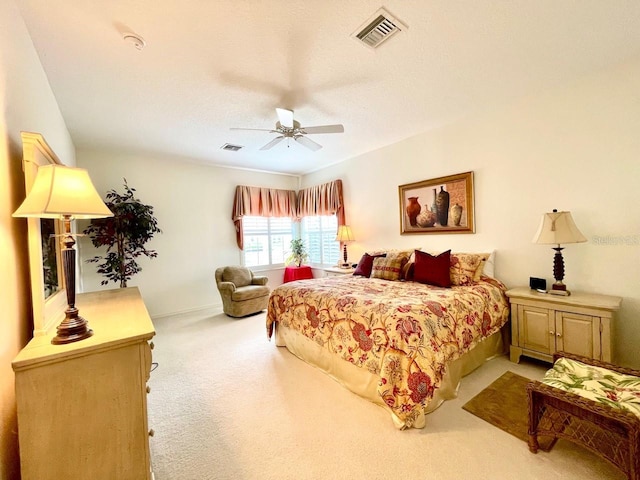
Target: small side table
(297, 273)
(337, 271)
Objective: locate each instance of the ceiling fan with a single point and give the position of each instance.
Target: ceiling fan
(287, 127)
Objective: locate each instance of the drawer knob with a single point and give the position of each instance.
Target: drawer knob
(151, 432)
(148, 389)
(551, 333)
(559, 335)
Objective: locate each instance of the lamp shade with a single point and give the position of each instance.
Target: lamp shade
(557, 228)
(344, 234)
(60, 190)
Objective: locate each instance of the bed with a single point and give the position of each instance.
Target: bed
(401, 344)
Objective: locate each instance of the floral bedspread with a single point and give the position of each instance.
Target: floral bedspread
(404, 332)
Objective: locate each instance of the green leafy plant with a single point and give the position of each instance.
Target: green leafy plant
(125, 235)
(298, 253)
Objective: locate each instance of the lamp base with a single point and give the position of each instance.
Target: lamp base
(72, 329)
(559, 289)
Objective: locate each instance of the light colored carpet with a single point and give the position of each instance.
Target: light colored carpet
(227, 404)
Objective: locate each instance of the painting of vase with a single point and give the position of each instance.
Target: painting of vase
(447, 205)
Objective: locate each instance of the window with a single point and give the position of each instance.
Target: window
(266, 240)
(319, 235)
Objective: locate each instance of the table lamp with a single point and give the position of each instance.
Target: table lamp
(65, 193)
(344, 236)
(556, 228)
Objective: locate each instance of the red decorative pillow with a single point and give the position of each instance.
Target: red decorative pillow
(365, 265)
(432, 270)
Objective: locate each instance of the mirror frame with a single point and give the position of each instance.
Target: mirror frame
(47, 312)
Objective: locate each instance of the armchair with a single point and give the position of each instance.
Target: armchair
(242, 292)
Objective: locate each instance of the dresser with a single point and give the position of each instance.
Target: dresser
(542, 324)
(82, 407)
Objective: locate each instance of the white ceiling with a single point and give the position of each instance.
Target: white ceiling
(214, 64)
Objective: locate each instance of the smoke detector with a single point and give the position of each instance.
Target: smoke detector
(134, 39)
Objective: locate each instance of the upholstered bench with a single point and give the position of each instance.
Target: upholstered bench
(591, 403)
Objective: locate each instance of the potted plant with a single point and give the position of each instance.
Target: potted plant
(298, 253)
(125, 235)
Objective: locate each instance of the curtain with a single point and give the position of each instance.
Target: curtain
(325, 199)
(262, 202)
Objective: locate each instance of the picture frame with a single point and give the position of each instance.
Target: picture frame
(48, 301)
(438, 205)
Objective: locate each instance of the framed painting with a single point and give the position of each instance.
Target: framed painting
(439, 205)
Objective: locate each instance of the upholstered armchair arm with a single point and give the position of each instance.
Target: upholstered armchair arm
(226, 287)
(259, 280)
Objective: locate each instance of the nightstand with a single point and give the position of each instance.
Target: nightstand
(542, 324)
(337, 271)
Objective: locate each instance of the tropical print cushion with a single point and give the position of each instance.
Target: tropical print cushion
(596, 383)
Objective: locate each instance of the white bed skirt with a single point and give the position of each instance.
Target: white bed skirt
(364, 383)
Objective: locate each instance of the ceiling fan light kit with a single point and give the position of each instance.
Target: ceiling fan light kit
(288, 128)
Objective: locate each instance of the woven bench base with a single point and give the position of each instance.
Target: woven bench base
(611, 433)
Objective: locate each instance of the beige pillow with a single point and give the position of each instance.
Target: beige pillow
(466, 268)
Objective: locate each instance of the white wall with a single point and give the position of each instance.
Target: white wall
(26, 103)
(193, 205)
(576, 148)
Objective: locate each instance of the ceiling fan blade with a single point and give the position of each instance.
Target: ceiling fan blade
(273, 142)
(255, 129)
(285, 117)
(307, 142)
(323, 129)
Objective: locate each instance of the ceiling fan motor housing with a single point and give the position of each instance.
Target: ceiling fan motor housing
(295, 131)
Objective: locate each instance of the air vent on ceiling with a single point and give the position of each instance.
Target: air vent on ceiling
(230, 147)
(381, 26)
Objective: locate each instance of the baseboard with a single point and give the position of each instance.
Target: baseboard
(208, 309)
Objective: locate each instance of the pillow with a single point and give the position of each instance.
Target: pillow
(389, 267)
(396, 251)
(406, 254)
(366, 264)
(407, 270)
(489, 266)
(432, 270)
(466, 268)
